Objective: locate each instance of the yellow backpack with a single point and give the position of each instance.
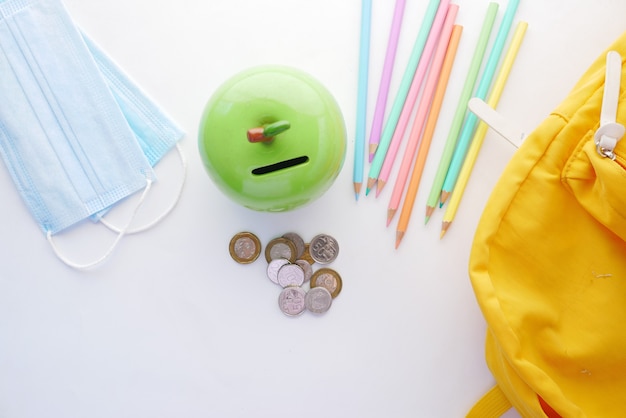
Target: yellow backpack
(548, 261)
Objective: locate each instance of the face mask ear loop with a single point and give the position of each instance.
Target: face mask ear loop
(113, 246)
(183, 161)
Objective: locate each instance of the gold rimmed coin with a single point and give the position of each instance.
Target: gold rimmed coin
(280, 248)
(244, 247)
(306, 255)
(329, 279)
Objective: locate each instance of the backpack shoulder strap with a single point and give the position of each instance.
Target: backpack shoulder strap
(493, 404)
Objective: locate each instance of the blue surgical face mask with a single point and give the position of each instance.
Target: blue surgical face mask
(76, 135)
(154, 131)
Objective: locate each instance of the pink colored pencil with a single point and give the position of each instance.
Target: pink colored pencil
(383, 91)
(411, 98)
(422, 111)
(427, 137)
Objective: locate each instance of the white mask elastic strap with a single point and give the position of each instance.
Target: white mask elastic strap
(110, 250)
(183, 161)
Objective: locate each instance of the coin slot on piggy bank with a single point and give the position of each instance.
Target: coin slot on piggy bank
(272, 138)
(280, 166)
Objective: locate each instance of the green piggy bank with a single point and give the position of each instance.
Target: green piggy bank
(272, 138)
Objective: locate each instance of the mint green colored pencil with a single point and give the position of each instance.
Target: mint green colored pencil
(467, 132)
(405, 85)
(461, 108)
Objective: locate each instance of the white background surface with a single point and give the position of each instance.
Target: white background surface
(171, 326)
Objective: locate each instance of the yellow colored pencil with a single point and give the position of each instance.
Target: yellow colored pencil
(479, 136)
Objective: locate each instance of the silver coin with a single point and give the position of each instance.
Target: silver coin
(290, 275)
(324, 248)
(273, 267)
(291, 301)
(297, 241)
(318, 300)
(308, 270)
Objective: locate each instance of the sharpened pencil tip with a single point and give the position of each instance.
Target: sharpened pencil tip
(390, 214)
(357, 190)
(379, 187)
(399, 236)
(373, 148)
(426, 220)
(429, 212)
(444, 228)
(371, 183)
(444, 197)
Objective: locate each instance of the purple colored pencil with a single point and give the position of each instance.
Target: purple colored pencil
(383, 91)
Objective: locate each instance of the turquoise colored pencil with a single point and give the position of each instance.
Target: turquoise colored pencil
(467, 132)
(461, 109)
(403, 90)
(361, 114)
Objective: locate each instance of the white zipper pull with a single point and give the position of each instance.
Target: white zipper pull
(610, 131)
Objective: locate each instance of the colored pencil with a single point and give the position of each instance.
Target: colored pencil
(479, 137)
(427, 136)
(423, 109)
(405, 84)
(361, 115)
(385, 81)
(461, 108)
(481, 92)
(412, 96)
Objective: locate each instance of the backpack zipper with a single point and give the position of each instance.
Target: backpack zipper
(610, 132)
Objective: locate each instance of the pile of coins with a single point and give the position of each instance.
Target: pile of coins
(290, 265)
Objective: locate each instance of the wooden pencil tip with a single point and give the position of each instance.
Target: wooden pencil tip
(444, 228)
(426, 220)
(399, 236)
(357, 190)
(370, 185)
(390, 215)
(429, 212)
(379, 187)
(373, 148)
(444, 196)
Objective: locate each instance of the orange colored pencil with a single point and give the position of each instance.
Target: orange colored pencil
(429, 130)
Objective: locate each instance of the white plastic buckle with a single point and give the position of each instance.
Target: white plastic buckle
(610, 132)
